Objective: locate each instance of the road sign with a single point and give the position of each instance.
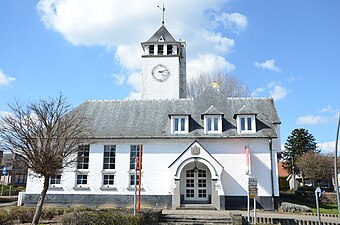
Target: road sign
(252, 187)
(4, 170)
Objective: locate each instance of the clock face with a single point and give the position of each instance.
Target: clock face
(160, 73)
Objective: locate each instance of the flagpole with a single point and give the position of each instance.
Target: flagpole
(336, 167)
(140, 175)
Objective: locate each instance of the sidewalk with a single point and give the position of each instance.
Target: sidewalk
(279, 215)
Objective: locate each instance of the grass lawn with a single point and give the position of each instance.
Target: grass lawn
(324, 208)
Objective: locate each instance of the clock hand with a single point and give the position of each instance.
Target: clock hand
(161, 71)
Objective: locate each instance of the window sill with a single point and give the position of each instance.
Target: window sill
(81, 188)
(111, 171)
(82, 171)
(108, 188)
(52, 187)
(132, 188)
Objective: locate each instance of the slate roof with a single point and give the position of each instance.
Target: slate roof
(150, 118)
(161, 32)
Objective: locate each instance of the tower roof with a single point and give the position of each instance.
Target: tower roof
(161, 35)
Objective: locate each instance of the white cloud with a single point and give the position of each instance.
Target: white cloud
(235, 21)
(278, 92)
(218, 42)
(208, 64)
(328, 147)
(328, 108)
(119, 78)
(257, 92)
(268, 64)
(129, 56)
(123, 24)
(311, 120)
(5, 79)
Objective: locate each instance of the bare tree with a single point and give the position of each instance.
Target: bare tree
(316, 166)
(228, 85)
(46, 135)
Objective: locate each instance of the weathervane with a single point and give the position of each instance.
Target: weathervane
(163, 9)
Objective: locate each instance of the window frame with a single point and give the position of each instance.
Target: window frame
(180, 121)
(83, 161)
(109, 163)
(243, 124)
(133, 160)
(209, 122)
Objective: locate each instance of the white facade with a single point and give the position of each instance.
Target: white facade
(194, 150)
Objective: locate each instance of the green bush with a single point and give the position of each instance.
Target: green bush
(283, 184)
(22, 214)
(5, 218)
(102, 217)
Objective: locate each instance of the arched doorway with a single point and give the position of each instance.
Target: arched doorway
(195, 184)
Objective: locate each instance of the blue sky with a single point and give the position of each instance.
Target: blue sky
(84, 49)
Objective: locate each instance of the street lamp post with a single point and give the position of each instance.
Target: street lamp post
(336, 167)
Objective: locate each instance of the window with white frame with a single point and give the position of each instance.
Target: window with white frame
(82, 180)
(246, 124)
(109, 161)
(212, 124)
(179, 124)
(83, 157)
(134, 152)
(55, 181)
(132, 180)
(108, 180)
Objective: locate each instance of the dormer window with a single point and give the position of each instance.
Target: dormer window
(246, 124)
(212, 120)
(169, 50)
(179, 124)
(160, 49)
(151, 49)
(212, 124)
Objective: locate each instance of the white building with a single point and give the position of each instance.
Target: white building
(194, 150)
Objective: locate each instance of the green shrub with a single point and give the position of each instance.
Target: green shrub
(5, 218)
(102, 217)
(283, 184)
(22, 214)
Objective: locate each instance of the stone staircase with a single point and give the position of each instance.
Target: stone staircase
(195, 217)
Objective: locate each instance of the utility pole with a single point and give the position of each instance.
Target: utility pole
(336, 167)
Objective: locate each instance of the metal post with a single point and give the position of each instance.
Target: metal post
(248, 208)
(317, 192)
(254, 210)
(135, 195)
(336, 167)
(140, 176)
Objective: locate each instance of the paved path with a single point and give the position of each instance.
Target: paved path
(291, 216)
(258, 214)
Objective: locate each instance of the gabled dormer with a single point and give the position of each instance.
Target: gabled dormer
(245, 120)
(212, 120)
(179, 122)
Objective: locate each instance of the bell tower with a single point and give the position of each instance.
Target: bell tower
(163, 67)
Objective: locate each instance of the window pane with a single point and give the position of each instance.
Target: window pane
(209, 124)
(151, 49)
(215, 124)
(169, 50)
(160, 49)
(243, 124)
(134, 152)
(176, 124)
(249, 123)
(83, 157)
(109, 156)
(182, 124)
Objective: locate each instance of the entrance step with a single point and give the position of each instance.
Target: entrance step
(194, 217)
(196, 207)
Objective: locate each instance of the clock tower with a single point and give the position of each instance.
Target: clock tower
(163, 67)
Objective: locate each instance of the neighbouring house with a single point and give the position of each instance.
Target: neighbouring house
(16, 172)
(194, 150)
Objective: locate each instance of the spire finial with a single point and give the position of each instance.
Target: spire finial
(163, 10)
